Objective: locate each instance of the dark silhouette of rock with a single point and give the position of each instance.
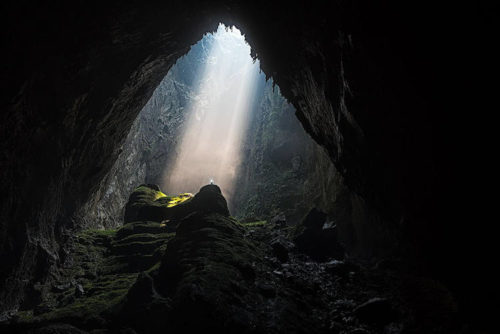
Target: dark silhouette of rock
(314, 219)
(79, 291)
(279, 220)
(312, 239)
(340, 268)
(151, 186)
(360, 331)
(211, 274)
(376, 310)
(280, 251)
(266, 290)
(209, 200)
(58, 329)
(143, 205)
(212, 188)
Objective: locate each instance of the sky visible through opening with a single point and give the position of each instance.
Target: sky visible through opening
(216, 122)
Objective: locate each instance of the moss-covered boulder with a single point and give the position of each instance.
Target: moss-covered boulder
(218, 275)
(139, 227)
(137, 246)
(209, 200)
(208, 273)
(142, 204)
(148, 203)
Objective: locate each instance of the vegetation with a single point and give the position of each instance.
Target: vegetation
(148, 203)
(254, 224)
(171, 201)
(105, 265)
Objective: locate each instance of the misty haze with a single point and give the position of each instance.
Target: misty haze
(217, 118)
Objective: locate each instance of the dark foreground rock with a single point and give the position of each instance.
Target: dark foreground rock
(316, 241)
(376, 310)
(219, 275)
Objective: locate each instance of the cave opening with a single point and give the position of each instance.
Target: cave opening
(217, 115)
(217, 118)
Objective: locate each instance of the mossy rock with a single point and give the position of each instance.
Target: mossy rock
(144, 237)
(147, 202)
(100, 297)
(143, 205)
(209, 200)
(208, 272)
(138, 246)
(259, 223)
(140, 227)
(95, 237)
(132, 246)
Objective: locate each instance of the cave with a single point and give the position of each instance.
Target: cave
(349, 213)
(216, 117)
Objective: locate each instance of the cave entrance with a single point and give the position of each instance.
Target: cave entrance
(216, 117)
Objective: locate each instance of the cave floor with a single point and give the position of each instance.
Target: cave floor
(333, 296)
(201, 269)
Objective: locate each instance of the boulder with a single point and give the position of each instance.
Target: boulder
(279, 220)
(143, 205)
(280, 251)
(148, 203)
(317, 242)
(376, 310)
(207, 270)
(314, 220)
(209, 200)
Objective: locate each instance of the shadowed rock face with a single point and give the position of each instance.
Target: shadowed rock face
(361, 78)
(203, 270)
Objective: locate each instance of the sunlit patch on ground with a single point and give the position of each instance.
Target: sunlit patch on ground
(176, 200)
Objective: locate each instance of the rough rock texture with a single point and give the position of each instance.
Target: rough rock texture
(314, 237)
(149, 146)
(282, 168)
(214, 273)
(370, 82)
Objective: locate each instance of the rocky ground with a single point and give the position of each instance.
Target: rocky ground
(193, 267)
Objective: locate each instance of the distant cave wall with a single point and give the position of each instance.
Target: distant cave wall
(149, 146)
(283, 170)
(79, 73)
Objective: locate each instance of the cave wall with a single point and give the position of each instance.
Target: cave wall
(283, 169)
(149, 145)
(283, 172)
(364, 78)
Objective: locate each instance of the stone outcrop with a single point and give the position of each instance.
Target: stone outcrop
(149, 146)
(314, 237)
(204, 270)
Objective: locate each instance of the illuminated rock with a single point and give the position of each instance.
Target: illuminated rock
(147, 202)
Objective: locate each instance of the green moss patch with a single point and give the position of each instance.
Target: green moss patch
(140, 227)
(209, 263)
(100, 296)
(143, 205)
(148, 203)
(255, 224)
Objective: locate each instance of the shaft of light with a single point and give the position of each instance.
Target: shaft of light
(217, 120)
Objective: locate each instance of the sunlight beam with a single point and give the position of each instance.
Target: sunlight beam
(217, 120)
